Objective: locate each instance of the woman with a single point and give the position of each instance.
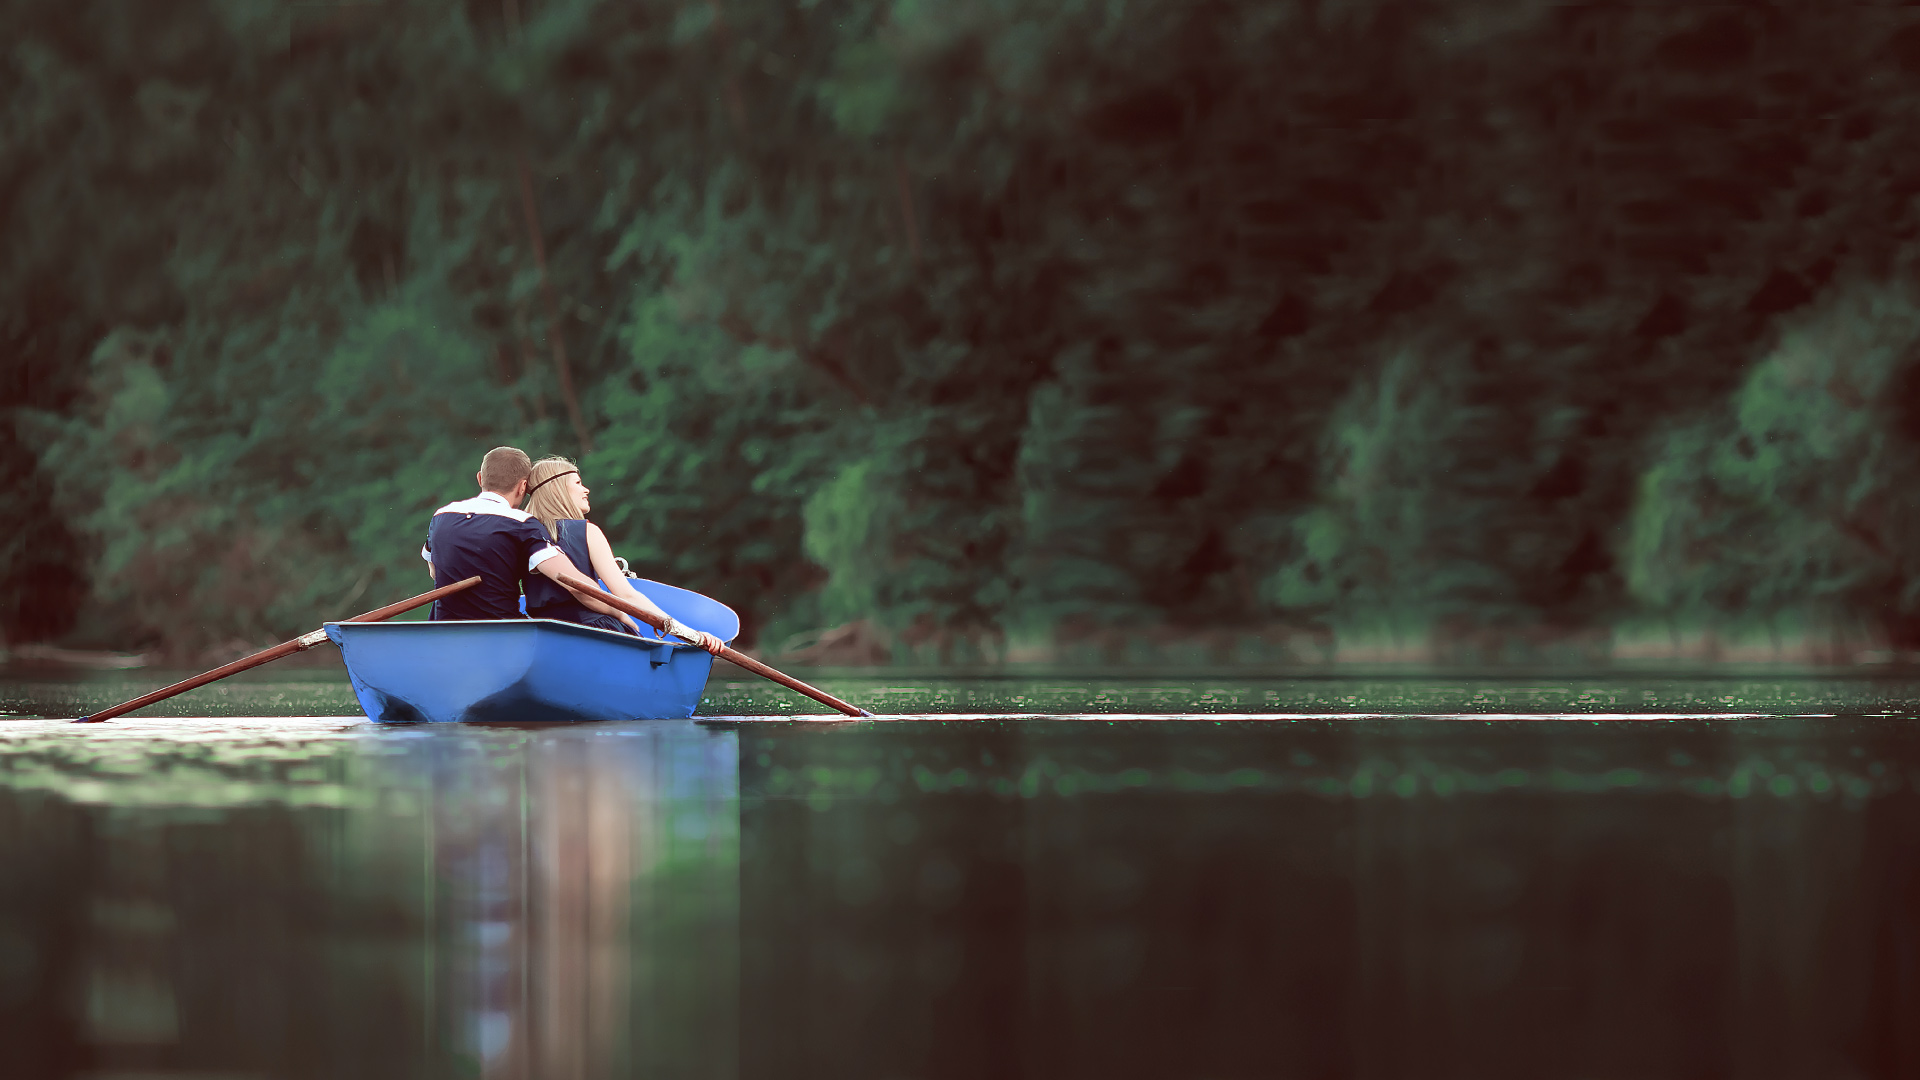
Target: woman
(560, 501)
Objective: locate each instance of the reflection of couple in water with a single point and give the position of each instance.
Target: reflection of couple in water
(550, 547)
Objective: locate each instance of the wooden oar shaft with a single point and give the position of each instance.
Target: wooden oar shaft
(404, 606)
(788, 681)
(585, 584)
(199, 680)
(303, 642)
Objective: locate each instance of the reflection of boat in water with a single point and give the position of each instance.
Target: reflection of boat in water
(584, 910)
(531, 669)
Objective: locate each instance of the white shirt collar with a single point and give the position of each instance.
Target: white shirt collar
(487, 502)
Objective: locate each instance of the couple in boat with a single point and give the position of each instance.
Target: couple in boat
(549, 546)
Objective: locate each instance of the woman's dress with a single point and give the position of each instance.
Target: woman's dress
(548, 600)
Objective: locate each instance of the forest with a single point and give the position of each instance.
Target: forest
(1479, 330)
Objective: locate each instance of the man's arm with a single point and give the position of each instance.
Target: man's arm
(546, 557)
(592, 604)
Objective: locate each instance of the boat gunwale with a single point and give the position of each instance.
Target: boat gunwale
(593, 632)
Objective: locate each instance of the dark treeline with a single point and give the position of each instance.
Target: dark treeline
(1479, 324)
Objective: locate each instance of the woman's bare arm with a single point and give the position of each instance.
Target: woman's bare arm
(608, 571)
(565, 574)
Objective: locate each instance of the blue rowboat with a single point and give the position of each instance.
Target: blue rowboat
(530, 669)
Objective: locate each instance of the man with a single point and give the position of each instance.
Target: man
(490, 536)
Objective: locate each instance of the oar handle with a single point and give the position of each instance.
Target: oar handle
(585, 584)
(303, 642)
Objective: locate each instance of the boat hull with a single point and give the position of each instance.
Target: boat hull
(516, 670)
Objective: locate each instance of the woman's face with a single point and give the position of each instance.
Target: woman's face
(580, 493)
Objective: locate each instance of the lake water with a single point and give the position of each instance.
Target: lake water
(251, 881)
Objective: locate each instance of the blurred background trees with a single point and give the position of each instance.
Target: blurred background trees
(999, 324)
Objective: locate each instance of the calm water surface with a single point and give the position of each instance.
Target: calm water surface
(254, 882)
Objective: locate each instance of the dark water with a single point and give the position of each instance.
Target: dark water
(268, 891)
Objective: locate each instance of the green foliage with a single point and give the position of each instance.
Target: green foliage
(1445, 501)
(1380, 542)
(847, 534)
(967, 318)
(1798, 496)
(695, 479)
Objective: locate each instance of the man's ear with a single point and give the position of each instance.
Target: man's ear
(480, 479)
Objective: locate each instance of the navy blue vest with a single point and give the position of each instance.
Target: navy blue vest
(488, 538)
(546, 600)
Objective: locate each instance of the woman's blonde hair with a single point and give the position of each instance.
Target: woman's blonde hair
(553, 501)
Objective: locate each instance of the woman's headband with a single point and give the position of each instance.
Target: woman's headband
(551, 479)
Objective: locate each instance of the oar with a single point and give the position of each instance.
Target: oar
(786, 680)
(299, 644)
(584, 584)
